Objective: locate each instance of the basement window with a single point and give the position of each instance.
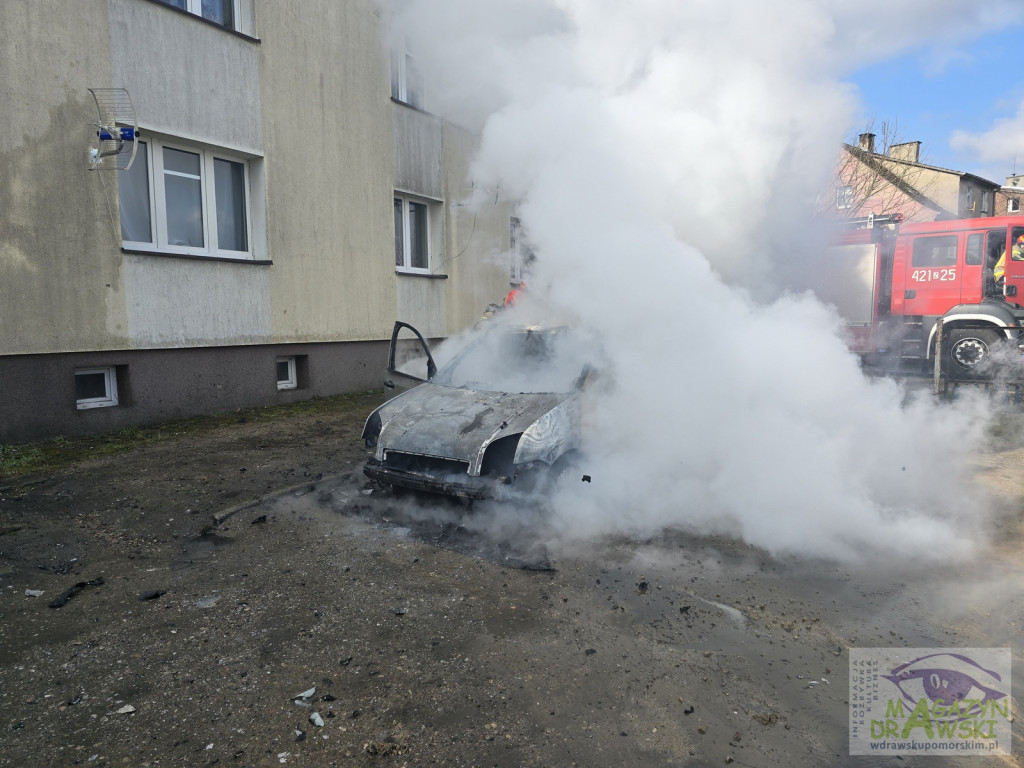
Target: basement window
(96, 387)
(287, 377)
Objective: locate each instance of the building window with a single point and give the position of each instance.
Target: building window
(186, 199)
(96, 387)
(412, 234)
(986, 202)
(844, 197)
(287, 375)
(406, 81)
(972, 204)
(1013, 205)
(223, 12)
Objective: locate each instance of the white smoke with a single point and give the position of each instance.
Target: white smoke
(666, 156)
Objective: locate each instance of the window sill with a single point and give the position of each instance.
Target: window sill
(414, 108)
(428, 275)
(196, 257)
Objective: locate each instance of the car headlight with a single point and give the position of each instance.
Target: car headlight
(371, 430)
(551, 435)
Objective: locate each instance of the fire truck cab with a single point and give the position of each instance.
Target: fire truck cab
(894, 281)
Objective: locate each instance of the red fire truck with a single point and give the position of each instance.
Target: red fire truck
(892, 281)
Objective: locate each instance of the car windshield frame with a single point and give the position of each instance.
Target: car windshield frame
(525, 360)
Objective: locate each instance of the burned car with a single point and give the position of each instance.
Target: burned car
(502, 416)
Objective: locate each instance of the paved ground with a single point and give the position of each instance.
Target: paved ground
(283, 589)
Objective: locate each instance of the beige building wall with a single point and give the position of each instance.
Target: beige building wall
(61, 278)
(327, 126)
(478, 247)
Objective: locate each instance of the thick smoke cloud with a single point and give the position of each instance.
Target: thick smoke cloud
(665, 156)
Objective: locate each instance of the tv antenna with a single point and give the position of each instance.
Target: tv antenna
(116, 130)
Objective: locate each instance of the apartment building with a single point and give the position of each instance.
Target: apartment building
(290, 196)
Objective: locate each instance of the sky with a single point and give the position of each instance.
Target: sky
(964, 100)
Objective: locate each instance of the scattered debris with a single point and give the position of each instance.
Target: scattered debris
(304, 698)
(399, 611)
(590, 651)
(642, 587)
(60, 569)
(300, 735)
(207, 602)
(541, 565)
(152, 594)
(62, 599)
(388, 745)
(689, 710)
(766, 718)
(127, 709)
(33, 593)
(316, 720)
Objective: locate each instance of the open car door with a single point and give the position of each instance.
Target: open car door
(409, 360)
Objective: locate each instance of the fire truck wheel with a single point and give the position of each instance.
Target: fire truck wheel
(966, 351)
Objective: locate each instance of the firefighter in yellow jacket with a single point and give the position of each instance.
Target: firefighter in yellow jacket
(1017, 254)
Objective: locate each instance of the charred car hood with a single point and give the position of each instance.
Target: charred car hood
(452, 423)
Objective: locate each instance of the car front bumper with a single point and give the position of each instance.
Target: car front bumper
(463, 487)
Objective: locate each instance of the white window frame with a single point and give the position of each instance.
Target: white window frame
(406, 79)
(158, 202)
(844, 196)
(110, 383)
(195, 7)
(292, 382)
(431, 207)
(1012, 205)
